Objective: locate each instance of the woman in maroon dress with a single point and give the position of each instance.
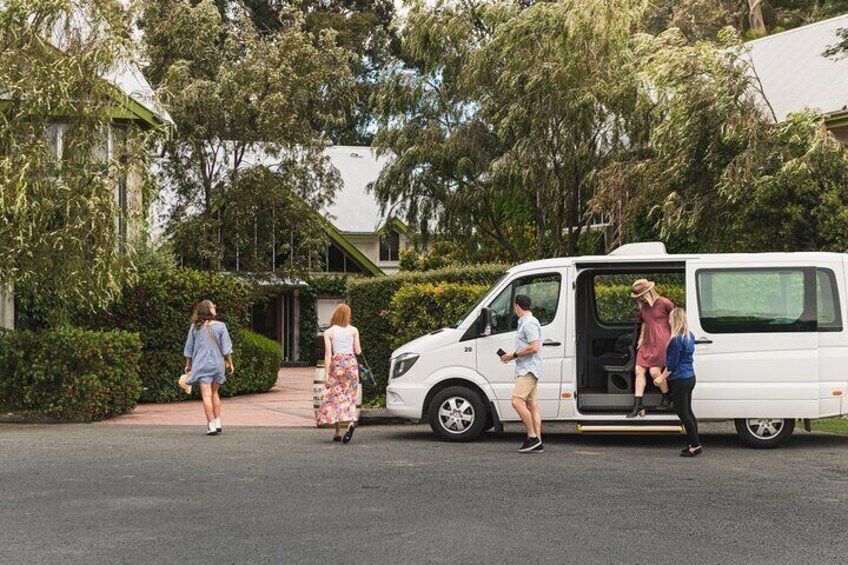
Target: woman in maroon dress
(654, 334)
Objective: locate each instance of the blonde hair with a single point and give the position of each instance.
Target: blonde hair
(648, 298)
(679, 323)
(341, 316)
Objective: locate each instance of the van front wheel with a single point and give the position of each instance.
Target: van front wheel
(457, 414)
(764, 433)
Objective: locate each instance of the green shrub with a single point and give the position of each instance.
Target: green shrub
(370, 300)
(615, 305)
(417, 309)
(159, 306)
(70, 373)
(257, 364)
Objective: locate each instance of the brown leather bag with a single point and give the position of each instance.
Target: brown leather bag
(227, 363)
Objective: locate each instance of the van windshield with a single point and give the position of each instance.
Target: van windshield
(479, 302)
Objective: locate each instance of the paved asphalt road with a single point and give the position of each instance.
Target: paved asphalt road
(108, 494)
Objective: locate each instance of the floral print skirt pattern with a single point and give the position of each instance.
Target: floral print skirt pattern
(342, 384)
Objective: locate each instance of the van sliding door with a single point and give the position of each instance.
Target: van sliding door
(756, 352)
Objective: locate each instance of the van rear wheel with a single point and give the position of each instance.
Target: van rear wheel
(764, 433)
(457, 414)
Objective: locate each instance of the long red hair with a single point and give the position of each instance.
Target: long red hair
(341, 316)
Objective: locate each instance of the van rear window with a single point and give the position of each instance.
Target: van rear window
(827, 302)
(756, 300)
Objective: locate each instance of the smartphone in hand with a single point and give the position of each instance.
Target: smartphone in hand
(501, 352)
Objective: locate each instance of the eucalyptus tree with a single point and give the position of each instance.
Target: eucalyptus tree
(718, 173)
(500, 114)
(243, 98)
(364, 27)
(58, 213)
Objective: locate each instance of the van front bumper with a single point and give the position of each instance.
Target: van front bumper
(406, 400)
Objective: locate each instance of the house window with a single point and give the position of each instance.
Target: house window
(119, 154)
(390, 246)
(54, 134)
(339, 262)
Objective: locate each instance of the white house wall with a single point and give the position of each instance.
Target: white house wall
(369, 245)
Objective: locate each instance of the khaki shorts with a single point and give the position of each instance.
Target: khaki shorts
(525, 387)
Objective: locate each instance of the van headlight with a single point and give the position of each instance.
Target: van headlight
(403, 363)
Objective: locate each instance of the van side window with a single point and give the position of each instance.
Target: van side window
(543, 291)
(756, 300)
(827, 302)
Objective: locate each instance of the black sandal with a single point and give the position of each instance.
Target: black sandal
(348, 434)
(691, 452)
(337, 438)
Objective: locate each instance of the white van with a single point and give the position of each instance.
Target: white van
(770, 328)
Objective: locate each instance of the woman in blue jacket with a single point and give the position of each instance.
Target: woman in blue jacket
(680, 373)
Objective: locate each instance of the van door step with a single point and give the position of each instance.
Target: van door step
(629, 428)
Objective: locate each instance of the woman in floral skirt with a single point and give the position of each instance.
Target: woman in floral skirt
(341, 346)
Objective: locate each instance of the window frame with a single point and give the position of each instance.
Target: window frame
(806, 323)
(390, 243)
(651, 275)
(512, 287)
(836, 325)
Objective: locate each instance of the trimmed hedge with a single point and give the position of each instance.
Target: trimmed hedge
(418, 309)
(159, 307)
(615, 305)
(257, 363)
(370, 300)
(70, 373)
(317, 286)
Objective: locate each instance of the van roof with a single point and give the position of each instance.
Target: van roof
(730, 258)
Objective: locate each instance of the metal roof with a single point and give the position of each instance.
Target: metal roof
(355, 209)
(124, 74)
(794, 72)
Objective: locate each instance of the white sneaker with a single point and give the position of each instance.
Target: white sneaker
(217, 422)
(211, 430)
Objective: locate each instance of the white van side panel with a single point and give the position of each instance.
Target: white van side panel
(843, 297)
(833, 354)
(751, 375)
(459, 372)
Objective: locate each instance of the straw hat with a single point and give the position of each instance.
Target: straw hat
(642, 287)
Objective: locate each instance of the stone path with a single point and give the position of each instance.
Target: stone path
(288, 404)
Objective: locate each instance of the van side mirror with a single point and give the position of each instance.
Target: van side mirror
(484, 323)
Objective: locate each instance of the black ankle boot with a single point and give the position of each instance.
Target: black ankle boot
(638, 409)
(666, 400)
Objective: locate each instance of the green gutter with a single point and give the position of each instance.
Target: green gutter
(339, 239)
(400, 226)
(836, 119)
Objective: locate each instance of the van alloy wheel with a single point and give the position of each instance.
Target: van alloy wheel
(764, 428)
(764, 433)
(456, 415)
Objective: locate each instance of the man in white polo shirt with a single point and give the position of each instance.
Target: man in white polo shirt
(528, 370)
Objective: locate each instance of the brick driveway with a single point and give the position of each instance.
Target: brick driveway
(288, 404)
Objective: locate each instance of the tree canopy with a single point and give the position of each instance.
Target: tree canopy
(57, 180)
(516, 126)
(244, 97)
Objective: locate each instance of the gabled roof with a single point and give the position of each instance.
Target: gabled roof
(794, 72)
(139, 99)
(355, 209)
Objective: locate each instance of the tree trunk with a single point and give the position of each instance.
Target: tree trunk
(755, 16)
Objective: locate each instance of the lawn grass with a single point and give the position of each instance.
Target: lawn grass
(832, 425)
